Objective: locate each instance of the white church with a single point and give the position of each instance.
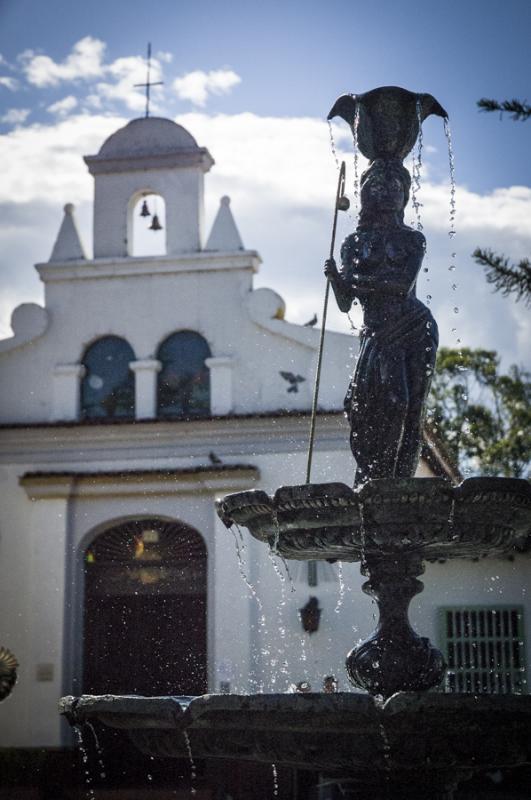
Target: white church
(145, 388)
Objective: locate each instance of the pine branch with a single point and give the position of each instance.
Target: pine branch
(519, 110)
(506, 278)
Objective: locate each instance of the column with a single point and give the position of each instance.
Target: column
(220, 384)
(66, 391)
(146, 387)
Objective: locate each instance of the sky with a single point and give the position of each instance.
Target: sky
(254, 82)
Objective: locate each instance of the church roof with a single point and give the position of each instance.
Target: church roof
(147, 136)
(149, 142)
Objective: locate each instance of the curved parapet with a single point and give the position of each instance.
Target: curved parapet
(29, 321)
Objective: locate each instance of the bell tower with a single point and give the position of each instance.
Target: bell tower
(148, 155)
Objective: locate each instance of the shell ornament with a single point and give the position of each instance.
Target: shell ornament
(8, 672)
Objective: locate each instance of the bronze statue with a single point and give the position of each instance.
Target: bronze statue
(380, 265)
(380, 262)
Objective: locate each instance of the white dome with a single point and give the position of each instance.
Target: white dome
(147, 136)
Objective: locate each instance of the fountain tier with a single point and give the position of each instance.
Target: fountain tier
(424, 517)
(413, 746)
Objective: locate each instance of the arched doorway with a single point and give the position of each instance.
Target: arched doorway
(145, 610)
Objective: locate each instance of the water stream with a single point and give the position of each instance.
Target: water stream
(89, 794)
(99, 750)
(240, 546)
(356, 160)
(416, 170)
(451, 162)
(386, 750)
(193, 772)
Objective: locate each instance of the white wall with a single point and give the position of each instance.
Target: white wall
(42, 540)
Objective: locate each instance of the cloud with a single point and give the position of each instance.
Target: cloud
(64, 106)
(197, 86)
(15, 116)
(165, 57)
(114, 81)
(127, 72)
(44, 162)
(282, 178)
(10, 83)
(85, 61)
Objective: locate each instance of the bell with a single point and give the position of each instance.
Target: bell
(145, 212)
(343, 203)
(155, 224)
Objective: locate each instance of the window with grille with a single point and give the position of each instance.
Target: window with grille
(484, 650)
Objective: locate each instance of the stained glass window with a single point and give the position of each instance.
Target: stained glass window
(184, 381)
(108, 388)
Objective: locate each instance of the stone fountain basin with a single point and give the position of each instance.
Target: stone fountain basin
(428, 517)
(345, 733)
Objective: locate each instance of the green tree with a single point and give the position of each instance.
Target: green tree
(516, 108)
(509, 279)
(483, 415)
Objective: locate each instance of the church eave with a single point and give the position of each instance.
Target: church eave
(200, 261)
(194, 157)
(98, 483)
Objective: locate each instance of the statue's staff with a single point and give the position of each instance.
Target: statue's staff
(342, 204)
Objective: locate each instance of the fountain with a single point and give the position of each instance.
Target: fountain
(397, 740)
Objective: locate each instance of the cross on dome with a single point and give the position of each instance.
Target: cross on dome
(148, 84)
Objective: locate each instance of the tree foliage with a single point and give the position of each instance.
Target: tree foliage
(516, 108)
(483, 415)
(505, 277)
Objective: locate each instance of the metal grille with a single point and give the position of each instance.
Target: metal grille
(484, 649)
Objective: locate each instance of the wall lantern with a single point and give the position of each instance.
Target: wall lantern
(310, 615)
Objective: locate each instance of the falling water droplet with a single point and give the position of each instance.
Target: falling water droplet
(275, 780)
(341, 594)
(452, 268)
(333, 144)
(456, 310)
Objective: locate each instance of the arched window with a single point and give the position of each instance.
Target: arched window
(147, 225)
(108, 388)
(184, 381)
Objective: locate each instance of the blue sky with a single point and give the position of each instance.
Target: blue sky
(270, 72)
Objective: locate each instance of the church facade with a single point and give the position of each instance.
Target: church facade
(146, 387)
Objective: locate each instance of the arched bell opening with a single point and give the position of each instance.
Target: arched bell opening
(145, 602)
(146, 224)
